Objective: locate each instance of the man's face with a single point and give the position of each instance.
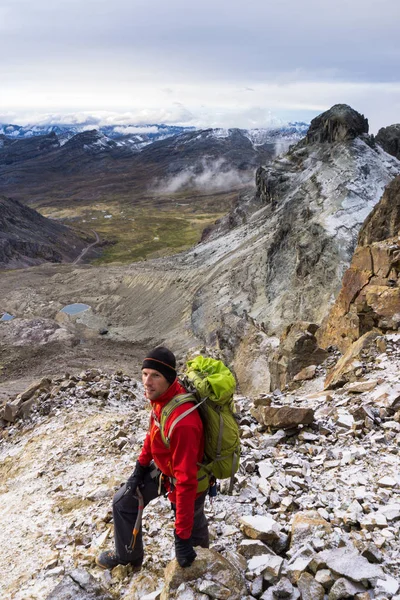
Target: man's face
(154, 383)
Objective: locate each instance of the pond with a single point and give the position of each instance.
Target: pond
(7, 317)
(74, 309)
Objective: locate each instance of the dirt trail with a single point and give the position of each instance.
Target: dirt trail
(85, 250)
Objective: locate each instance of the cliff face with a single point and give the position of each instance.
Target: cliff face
(389, 139)
(27, 238)
(310, 206)
(384, 220)
(370, 293)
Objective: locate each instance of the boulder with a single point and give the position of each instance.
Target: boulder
(306, 373)
(359, 387)
(210, 574)
(263, 528)
(343, 588)
(298, 348)
(251, 548)
(347, 366)
(11, 410)
(305, 525)
(309, 588)
(79, 585)
(283, 417)
(268, 564)
(348, 563)
(42, 385)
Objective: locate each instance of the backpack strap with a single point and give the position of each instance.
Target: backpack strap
(169, 409)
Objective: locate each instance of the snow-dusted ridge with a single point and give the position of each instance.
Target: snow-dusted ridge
(139, 137)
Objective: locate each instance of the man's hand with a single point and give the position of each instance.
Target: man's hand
(136, 479)
(184, 551)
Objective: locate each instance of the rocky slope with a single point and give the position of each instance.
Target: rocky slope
(27, 238)
(278, 257)
(315, 509)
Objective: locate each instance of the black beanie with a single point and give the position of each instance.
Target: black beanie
(162, 360)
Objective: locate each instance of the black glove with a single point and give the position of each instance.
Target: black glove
(184, 551)
(136, 479)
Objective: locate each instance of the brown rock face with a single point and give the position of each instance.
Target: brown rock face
(298, 349)
(384, 220)
(346, 368)
(369, 298)
(338, 124)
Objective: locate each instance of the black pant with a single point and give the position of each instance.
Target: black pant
(125, 510)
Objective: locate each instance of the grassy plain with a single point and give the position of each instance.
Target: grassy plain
(144, 227)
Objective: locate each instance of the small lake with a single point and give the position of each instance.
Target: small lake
(74, 309)
(7, 317)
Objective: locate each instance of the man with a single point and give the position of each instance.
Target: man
(160, 470)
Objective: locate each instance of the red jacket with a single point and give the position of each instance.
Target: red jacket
(180, 459)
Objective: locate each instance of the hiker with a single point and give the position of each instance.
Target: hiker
(161, 470)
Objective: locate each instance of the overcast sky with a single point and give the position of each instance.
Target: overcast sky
(245, 63)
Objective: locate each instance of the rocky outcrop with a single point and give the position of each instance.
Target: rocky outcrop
(298, 349)
(27, 238)
(370, 296)
(389, 139)
(384, 220)
(338, 124)
(313, 220)
(370, 293)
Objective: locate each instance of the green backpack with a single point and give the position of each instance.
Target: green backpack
(211, 386)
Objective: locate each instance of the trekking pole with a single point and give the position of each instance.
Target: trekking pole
(138, 522)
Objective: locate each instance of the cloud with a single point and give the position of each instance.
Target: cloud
(207, 176)
(136, 130)
(218, 64)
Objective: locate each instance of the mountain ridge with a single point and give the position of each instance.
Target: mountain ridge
(27, 238)
(278, 257)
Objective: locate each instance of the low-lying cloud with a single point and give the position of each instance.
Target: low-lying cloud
(206, 176)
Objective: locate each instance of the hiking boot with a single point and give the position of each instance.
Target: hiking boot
(109, 560)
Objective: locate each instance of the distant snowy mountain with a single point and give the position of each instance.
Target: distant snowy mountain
(125, 134)
(137, 137)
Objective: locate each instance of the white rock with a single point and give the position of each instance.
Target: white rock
(391, 511)
(387, 482)
(266, 469)
(345, 419)
(153, 595)
(264, 487)
(260, 527)
(373, 520)
(258, 564)
(388, 585)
